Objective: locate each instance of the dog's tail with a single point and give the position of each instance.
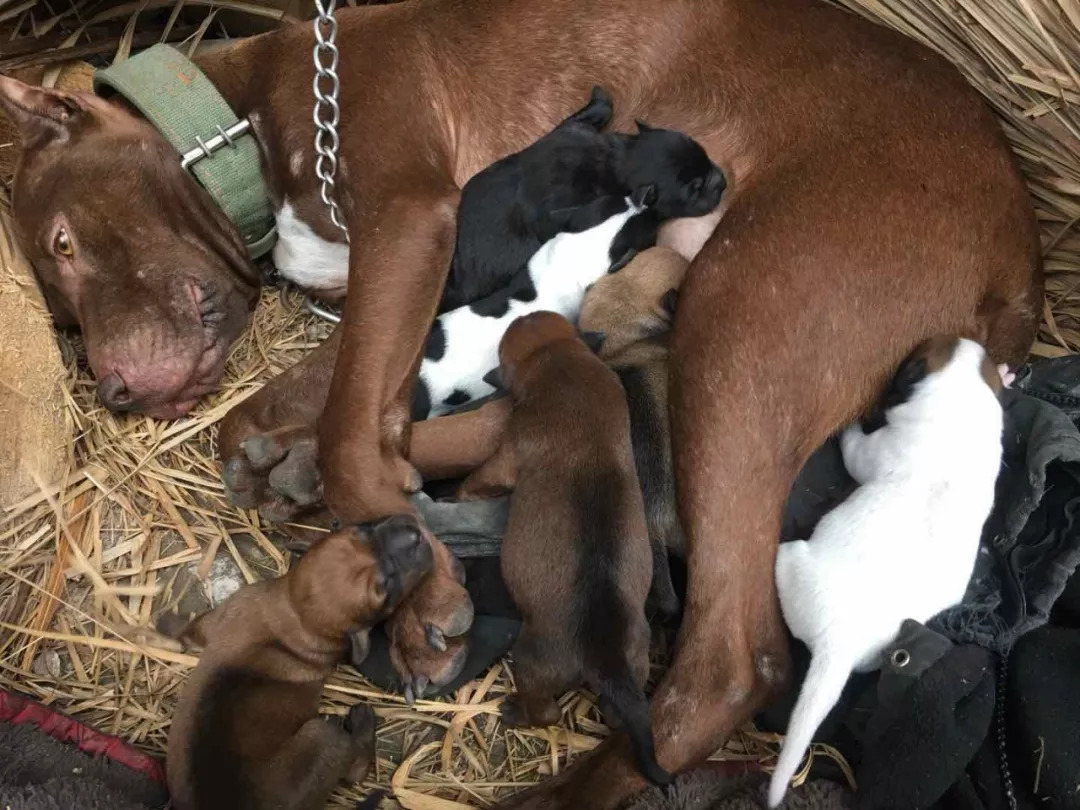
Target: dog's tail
(597, 113)
(829, 671)
(623, 694)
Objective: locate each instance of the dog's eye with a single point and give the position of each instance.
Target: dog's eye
(696, 185)
(62, 243)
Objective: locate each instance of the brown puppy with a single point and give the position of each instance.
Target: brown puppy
(628, 314)
(575, 555)
(246, 734)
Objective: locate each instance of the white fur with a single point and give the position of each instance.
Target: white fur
(305, 258)
(902, 546)
(560, 270)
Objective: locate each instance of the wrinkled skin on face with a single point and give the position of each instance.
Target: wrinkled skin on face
(162, 284)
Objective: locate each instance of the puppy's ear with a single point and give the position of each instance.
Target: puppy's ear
(594, 340)
(645, 196)
(495, 379)
(642, 126)
(669, 300)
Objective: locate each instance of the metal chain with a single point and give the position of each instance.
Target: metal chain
(327, 115)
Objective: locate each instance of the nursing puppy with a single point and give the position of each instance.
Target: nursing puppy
(246, 734)
(575, 555)
(560, 183)
(628, 314)
(903, 545)
(463, 345)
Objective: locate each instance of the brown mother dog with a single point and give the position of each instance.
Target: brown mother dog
(873, 202)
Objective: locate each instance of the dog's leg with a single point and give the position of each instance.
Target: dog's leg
(455, 445)
(541, 673)
(496, 477)
(307, 769)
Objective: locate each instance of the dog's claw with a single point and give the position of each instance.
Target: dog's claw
(435, 638)
(410, 698)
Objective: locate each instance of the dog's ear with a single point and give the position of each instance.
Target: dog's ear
(669, 300)
(495, 379)
(642, 126)
(39, 113)
(594, 340)
(644, 196)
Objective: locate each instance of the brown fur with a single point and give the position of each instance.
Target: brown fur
(632, 310)
(575, 555)
(873, 202)
(246, 734)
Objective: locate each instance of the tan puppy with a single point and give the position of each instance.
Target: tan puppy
(575, 555)
(246, 734)
(628, 316)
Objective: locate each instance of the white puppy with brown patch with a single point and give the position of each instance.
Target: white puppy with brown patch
(904, 544)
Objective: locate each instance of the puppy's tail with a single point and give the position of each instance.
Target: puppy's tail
(623, 694)
(824, 682)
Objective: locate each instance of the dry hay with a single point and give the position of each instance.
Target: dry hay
(140, 522)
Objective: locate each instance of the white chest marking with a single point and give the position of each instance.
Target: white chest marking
(305, 258)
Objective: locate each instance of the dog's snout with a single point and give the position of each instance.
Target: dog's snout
(114, 393)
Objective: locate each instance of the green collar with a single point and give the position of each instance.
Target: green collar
(178, 99)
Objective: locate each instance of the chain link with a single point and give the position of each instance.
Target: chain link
(327, 115)
(327, 112)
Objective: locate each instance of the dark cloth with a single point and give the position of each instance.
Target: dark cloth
(723, 786)
(40, 771)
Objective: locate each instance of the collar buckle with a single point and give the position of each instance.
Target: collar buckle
(226, 136)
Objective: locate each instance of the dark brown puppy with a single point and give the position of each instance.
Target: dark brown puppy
(575, 555)
(246, 734)
(630, 314)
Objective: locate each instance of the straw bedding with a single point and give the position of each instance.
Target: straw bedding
(139, 523)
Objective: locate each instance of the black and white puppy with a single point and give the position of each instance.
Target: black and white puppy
(563, 183)
(463, 346)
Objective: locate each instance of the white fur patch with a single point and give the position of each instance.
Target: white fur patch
(560, 270)
(305, 258)
(902, 546)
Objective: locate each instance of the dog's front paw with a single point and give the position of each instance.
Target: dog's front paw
(276, 472)
(428, 631)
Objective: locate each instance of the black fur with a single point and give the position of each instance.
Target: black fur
(494, 378)
(652, 458)
(594, 340)
(508, 210)
(435, 346)
(911, 372)
(604, 618)
(421, 402)
(669, 301)
(457, 397)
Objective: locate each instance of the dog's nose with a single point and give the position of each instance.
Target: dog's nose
(114, 393)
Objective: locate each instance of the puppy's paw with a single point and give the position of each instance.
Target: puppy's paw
(423, 670)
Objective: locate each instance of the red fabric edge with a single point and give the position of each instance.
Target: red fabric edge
(19, 710)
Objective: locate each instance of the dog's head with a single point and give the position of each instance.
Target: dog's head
(634, 304)
(675, 167)
(128, 247)
(522, 344)
(355, 577)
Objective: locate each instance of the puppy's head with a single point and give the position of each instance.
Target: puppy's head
(357, 576)
(522, 342)
(673, 172)
(636, 303)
